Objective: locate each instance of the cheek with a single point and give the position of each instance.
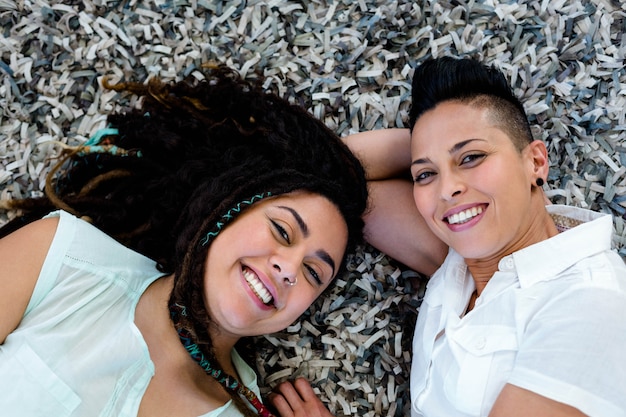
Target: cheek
(250, 241)
(426, 204)
(303, 299)
(424, 201)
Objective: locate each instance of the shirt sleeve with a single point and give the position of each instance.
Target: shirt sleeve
(572, 350)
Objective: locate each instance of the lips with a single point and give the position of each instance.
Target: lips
(465, 215)
(257, 287)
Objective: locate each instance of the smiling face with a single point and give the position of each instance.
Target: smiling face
(300, 237)
(471, 185)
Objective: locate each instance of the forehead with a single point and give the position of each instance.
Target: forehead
(452, 115)
(451, 122)
(315, 210)
(302, 200)
(448, 120)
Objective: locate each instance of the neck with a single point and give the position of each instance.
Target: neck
(226, 376)
(222, 345)
(540, 228)
(222, 348)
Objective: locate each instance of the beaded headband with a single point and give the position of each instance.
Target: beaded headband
(230, 215)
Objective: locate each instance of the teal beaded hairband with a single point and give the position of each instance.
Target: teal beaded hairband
(230, 214)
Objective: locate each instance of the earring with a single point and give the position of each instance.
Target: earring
(539, 182)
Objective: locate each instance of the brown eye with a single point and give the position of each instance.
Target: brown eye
(472, 158)
(281, 231)
(314, 275)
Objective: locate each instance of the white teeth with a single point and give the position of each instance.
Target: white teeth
(257, 286)
(465, 215)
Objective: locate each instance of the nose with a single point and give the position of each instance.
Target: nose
(451, 186)
(284, 270)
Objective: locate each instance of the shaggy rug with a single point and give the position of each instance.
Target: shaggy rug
(349, 63)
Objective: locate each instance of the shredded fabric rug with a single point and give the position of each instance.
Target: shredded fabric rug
(349, 63)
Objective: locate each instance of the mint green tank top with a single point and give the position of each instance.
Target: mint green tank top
(77, 351)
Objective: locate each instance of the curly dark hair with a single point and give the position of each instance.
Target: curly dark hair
(193, 150)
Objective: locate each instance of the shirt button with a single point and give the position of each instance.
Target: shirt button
(506, 264)
(481, 342)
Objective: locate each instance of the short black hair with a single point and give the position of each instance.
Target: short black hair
(469, 81)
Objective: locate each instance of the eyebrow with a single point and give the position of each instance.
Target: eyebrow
(452, 150)
(322, 254)
(301, 224)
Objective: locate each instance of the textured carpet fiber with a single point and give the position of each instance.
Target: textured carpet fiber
(348, 62)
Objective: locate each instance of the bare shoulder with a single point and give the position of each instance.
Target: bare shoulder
(22, 254)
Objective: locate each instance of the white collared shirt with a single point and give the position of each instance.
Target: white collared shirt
(551, 320)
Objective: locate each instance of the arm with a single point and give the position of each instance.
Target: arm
(514, 401)
(392, 224)
(298, 399)
(22, 254)
(384, 153)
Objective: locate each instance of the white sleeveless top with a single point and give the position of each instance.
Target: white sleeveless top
(77, 351)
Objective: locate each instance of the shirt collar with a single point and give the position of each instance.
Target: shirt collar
(583, 233)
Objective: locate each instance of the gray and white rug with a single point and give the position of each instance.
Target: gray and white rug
(349, 62)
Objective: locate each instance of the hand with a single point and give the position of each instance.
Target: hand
(297, 399)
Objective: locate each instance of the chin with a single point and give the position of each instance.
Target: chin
(472, 252)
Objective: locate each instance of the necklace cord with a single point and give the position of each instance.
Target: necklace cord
(227, 381)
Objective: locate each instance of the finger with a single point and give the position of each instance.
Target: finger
(289, 392)
(281, 405)
(313, 405)
(304, 389)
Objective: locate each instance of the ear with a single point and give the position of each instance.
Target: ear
(539, 164)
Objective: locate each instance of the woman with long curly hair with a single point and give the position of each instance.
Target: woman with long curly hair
(212, 212)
